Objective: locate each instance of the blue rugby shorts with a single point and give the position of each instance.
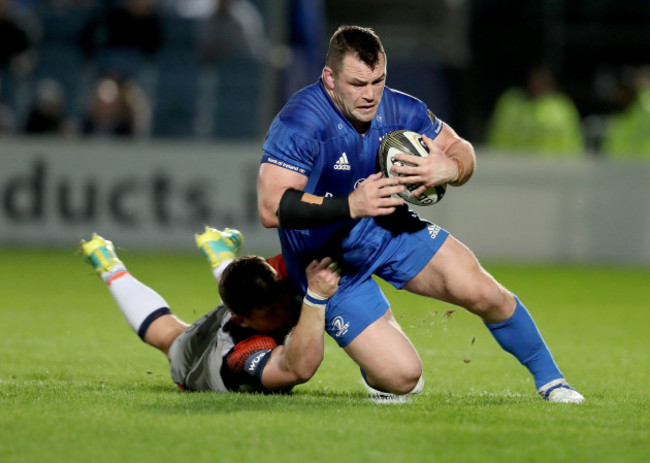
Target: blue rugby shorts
(394, 258)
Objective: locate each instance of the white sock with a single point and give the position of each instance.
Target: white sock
(116, 270)
(136, 300)
(218, 271)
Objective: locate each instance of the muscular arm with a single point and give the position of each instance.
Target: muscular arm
(372, 198)
(272, 182)
(460, 151)
(297, 360)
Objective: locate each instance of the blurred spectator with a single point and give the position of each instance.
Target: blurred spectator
(308, 42)
(628, 133)
(118, 107)
(187, 8)
(15, 43)
(538, 118)
(47, 114)
(119, 38)
(16, 60)
(234, 30)
(63, 6)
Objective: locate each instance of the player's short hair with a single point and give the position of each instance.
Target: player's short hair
(360, 41)
(249, 283)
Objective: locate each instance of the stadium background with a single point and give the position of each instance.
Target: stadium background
(194, 158)
(77, 385)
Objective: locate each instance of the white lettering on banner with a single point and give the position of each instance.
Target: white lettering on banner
(83, 199)
(148, 196)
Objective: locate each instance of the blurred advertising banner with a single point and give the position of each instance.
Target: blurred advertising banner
(156, 195)
(144, 195)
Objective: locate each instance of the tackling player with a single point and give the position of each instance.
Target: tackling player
(317, 184)
(263, 338)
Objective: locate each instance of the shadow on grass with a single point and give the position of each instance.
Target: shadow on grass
(157, 394)
(160, 397)
(189, 403)
(226, 403)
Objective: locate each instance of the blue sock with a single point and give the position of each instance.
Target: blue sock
(519, 336)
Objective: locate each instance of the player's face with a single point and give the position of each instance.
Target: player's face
(356, 89)
(273, 318)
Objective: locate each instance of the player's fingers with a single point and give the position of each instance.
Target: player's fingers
(431, 146)
(427, 141)
(419, 190)
(406, 179)
(325, 262)
(375, 176)
(388, 203)
(406, 170)
(387, 182)
(312, 265)
(408, 158)
(334, 277)
(391, 190)
(385, 211)
(394, 201)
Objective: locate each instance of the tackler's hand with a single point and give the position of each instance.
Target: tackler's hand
(323, 277)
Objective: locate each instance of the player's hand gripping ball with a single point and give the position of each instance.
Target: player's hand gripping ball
(407, 142)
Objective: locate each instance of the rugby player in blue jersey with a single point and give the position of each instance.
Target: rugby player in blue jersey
(318, 185)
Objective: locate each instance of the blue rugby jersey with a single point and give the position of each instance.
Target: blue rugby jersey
(311, 136)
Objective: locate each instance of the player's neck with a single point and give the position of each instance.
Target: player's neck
(361, 127)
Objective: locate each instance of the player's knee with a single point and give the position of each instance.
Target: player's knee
(404, 381)
(491, 301)
(418, 388)
(412, 385)
(408, 385)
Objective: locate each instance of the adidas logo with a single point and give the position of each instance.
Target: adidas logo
(342, 163)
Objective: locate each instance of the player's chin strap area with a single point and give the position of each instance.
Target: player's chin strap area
(301, 211)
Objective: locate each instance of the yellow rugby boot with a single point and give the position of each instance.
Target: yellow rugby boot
(100, 253)
(219, 246)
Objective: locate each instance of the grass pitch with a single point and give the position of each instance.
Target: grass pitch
(76, 385)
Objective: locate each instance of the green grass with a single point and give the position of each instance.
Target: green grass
(76, 385)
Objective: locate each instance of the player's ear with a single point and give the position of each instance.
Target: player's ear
(328, 77)
(239, 320)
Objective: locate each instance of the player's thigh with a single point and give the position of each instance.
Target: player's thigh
(386, 355)
(163, 332)
(454, 275)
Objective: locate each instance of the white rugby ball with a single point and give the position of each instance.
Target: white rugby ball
(407, 142)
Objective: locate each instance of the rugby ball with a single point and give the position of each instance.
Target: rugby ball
(407, 142)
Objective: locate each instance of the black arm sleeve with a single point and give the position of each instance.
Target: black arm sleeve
(301, 211)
